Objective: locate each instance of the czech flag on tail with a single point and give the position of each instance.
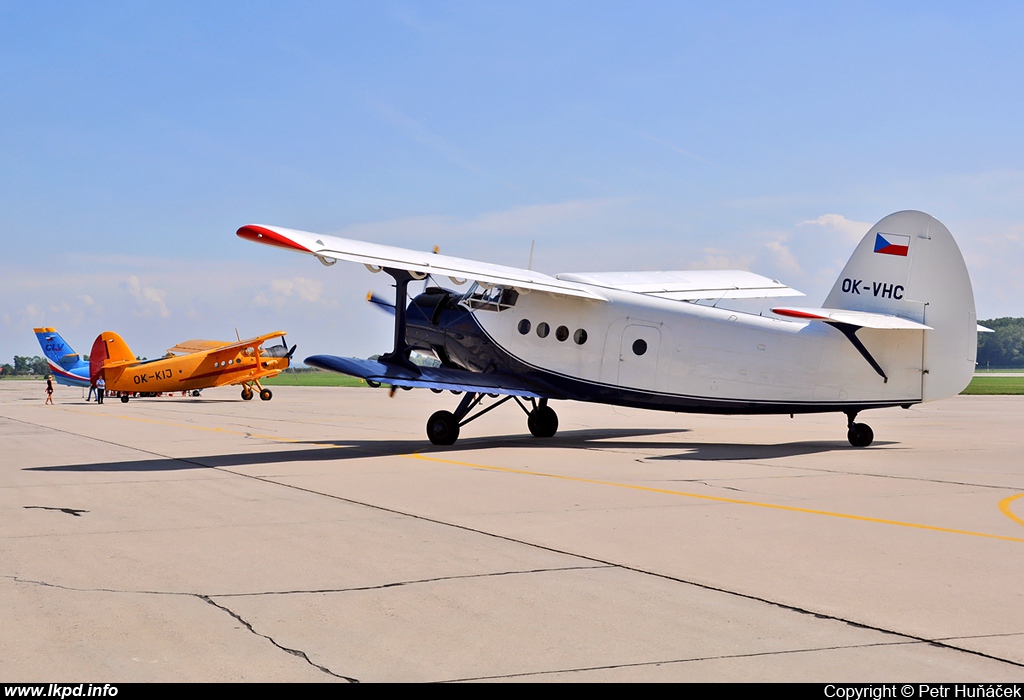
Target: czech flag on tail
(892, 244)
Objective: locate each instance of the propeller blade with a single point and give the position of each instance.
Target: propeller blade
(381, 303)
(291, 352)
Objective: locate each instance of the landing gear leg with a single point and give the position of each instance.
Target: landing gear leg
(442, 427)
(859, 434)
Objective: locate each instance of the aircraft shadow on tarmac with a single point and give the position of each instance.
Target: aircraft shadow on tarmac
(586, 439)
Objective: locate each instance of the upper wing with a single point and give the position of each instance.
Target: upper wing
(376, 256)
(864, 319)
(688, 285)
(191, 346)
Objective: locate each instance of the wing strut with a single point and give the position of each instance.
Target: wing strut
(850, 331)
(399, 355)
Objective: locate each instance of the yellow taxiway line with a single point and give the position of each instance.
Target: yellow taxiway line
(1003, 505)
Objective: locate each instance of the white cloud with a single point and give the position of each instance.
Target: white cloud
(280, 291)
(149, 300)
(851, 230)
(784, 258)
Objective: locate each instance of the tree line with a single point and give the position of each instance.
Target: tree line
(1005, 346)
(24, 366)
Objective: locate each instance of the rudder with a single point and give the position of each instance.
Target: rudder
(108, 349)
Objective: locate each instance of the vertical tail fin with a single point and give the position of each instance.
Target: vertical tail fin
(54, 347)
(67, 367)
(908, 265)
(107, 349)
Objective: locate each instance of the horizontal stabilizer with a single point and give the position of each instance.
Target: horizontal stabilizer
(982, 329)
(427, 377)
(862, 319)
(375, 256)
(688, 285)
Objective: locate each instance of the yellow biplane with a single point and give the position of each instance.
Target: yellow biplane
(189, 366)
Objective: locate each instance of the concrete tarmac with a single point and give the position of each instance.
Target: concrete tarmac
(320, 537)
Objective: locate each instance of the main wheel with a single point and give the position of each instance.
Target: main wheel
(860, 435)
(195, 393)
(542, 422)
(265, 395)
(246, 394)
(443, 428)
(124, 398)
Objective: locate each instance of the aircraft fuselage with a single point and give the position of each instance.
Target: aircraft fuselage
(636, 350)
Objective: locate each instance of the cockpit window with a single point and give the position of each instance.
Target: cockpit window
(489, 298)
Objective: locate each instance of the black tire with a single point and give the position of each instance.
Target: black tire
(542, 422)
(246, 394)
(195, 393)
(443, 428)
(860, 435)
(124, 398)
(266, 395)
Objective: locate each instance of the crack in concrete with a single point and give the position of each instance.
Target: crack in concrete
(665, 662)
(412, 582)
(294, 652)
(199, 596)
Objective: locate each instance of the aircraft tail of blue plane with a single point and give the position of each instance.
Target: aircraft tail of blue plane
(67, 366)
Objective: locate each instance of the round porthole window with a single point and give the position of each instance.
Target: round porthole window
(543, 329)
(524, 326)
(639, 346)
(561, 333)
(580, 336)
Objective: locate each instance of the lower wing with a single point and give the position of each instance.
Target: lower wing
(427, 377)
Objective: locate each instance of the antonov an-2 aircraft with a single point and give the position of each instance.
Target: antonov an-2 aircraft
(898, 328)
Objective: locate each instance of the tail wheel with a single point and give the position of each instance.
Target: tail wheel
(195, 393)
(542, 422)
(124, 398)
(860, 435)
(443, 428)
(265, 395)
(246, 393)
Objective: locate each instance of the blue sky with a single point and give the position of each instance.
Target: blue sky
(135, 138)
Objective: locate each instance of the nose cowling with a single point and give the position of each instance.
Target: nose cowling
(436, 325)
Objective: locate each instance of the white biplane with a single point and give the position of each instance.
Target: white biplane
(898, 328)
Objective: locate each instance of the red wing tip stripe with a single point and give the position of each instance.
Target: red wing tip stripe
(258, 234)
(797, 314)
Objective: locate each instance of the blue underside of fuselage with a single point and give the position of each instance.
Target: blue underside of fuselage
(495, 370)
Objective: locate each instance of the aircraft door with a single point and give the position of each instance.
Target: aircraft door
(638, 356)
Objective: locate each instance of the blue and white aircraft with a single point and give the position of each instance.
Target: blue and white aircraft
(897, 329)
(67, 366)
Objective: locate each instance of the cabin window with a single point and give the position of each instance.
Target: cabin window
(561, 333)
(483, 298)
(524, 326)
(639, 346)
(580, 336)
(543, 329)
